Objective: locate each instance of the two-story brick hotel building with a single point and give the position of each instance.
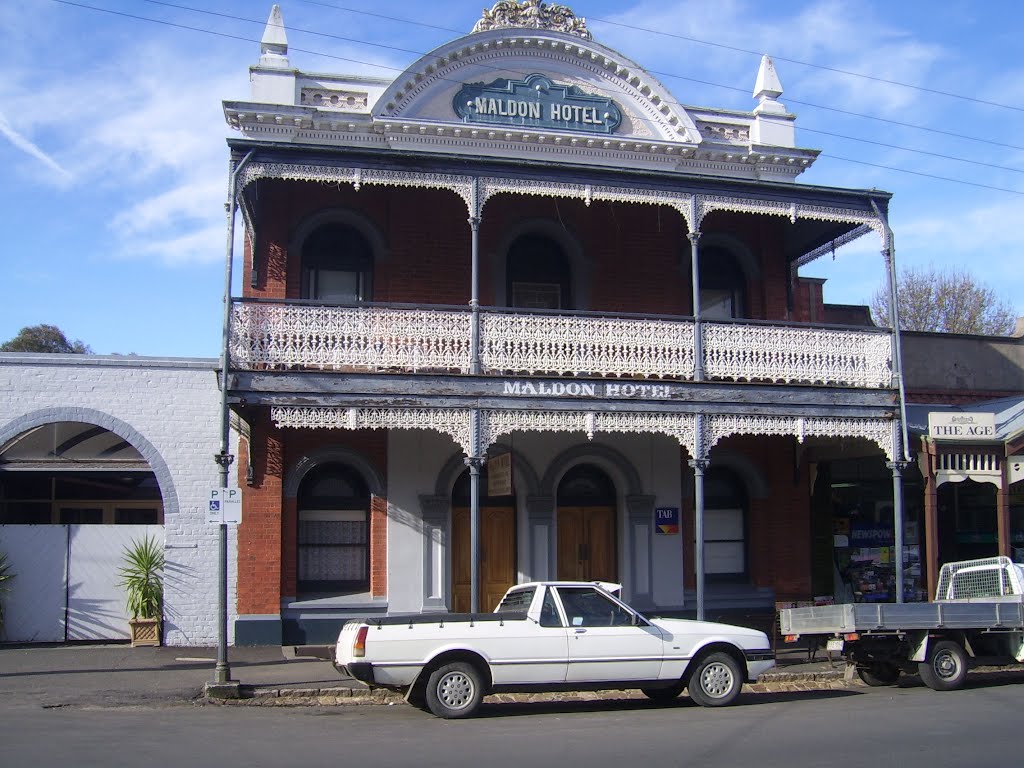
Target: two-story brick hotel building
(518, 314)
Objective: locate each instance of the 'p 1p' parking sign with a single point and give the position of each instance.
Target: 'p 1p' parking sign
(224, 506)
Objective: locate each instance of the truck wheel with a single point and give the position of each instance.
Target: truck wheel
(454, 690)
(946, 668)
(664, 695)
(878, 675)
(716, 681)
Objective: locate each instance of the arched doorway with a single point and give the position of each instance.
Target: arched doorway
(586, 547)
(497, 545)
(333, 504)
(73, 496)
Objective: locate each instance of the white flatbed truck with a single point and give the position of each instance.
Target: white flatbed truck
(977, 618)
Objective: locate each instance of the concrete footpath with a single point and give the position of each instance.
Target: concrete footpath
(111, 675)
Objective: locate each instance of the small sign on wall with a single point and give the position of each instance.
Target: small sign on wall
(499, 475)
(224, 506)
(666, 520)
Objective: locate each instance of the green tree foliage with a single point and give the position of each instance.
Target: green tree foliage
(944, 301)
(44, 338)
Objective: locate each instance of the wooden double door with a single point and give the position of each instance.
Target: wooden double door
(586, 544)
(497, 556)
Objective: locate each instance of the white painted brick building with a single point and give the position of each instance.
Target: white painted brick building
(168, 410)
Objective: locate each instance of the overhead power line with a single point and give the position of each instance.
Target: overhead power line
(718, 85)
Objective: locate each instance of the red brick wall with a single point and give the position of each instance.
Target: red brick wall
(636, 256)
(267, 545)
(260, 534)
(378, 546)
(778, 527)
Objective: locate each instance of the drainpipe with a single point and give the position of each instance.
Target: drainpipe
(222, 671)
(900, 462)
(475, 461)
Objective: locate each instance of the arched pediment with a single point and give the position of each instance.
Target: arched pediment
(537, 78)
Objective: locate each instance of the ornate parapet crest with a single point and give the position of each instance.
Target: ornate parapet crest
(533, 14)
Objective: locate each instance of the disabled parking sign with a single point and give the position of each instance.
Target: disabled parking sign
(224, 506)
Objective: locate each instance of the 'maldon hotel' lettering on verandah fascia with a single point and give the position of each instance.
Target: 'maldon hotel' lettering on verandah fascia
(586, 389)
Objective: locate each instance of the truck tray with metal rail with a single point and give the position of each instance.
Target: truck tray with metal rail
(977, 617)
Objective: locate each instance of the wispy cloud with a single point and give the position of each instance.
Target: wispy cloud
(25, 145)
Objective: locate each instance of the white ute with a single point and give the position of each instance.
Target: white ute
(550, 636)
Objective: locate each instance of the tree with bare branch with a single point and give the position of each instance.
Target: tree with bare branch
(944, 301)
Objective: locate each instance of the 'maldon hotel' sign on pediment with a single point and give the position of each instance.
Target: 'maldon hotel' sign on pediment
(536, 102)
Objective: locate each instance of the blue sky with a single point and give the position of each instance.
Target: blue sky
(113, 166)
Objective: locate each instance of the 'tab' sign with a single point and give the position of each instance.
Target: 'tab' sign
(666, 520)
(224, 506)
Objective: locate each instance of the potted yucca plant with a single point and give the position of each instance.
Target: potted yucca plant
(142, 579)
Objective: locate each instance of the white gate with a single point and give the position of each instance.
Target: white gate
(66, 581)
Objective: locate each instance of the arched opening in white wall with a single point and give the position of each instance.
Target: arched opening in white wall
(73, 495)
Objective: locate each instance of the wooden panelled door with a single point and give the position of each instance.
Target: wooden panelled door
(586, 544)
(497, 556)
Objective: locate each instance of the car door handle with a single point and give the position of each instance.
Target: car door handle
(580, 631)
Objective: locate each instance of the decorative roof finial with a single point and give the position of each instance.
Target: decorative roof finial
(532, 14)
(274, 44)
(767, 87)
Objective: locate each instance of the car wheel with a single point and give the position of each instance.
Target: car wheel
(946, 668)
(878, 675)
(454, 690)
(663, 695)
(716, 680)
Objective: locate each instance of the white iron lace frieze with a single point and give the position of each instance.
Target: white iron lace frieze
(878, 431)
(366, 338)
(449, 421)
(327, 174)
(739, 352)
(833, 245)
(793, 211)
(593, 346)
(489, 187)
(532, 14)
(494, 424)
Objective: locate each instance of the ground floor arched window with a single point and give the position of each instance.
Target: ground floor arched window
(333, 531)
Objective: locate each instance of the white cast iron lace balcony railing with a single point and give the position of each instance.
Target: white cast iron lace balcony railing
(296, 335)
(367, 338)
(573, 344)
(853, 357)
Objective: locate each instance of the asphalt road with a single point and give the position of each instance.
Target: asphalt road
(907, 726)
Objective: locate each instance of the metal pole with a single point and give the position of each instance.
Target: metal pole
(897, 468)
(224, 459)
(475, 460)
(698, 332)
(699, 466)
(900, 437)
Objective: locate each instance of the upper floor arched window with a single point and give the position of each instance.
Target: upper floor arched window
(723, 285)
(539, 276)
(337, 265)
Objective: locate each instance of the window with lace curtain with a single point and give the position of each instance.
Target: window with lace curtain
(333, 531)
